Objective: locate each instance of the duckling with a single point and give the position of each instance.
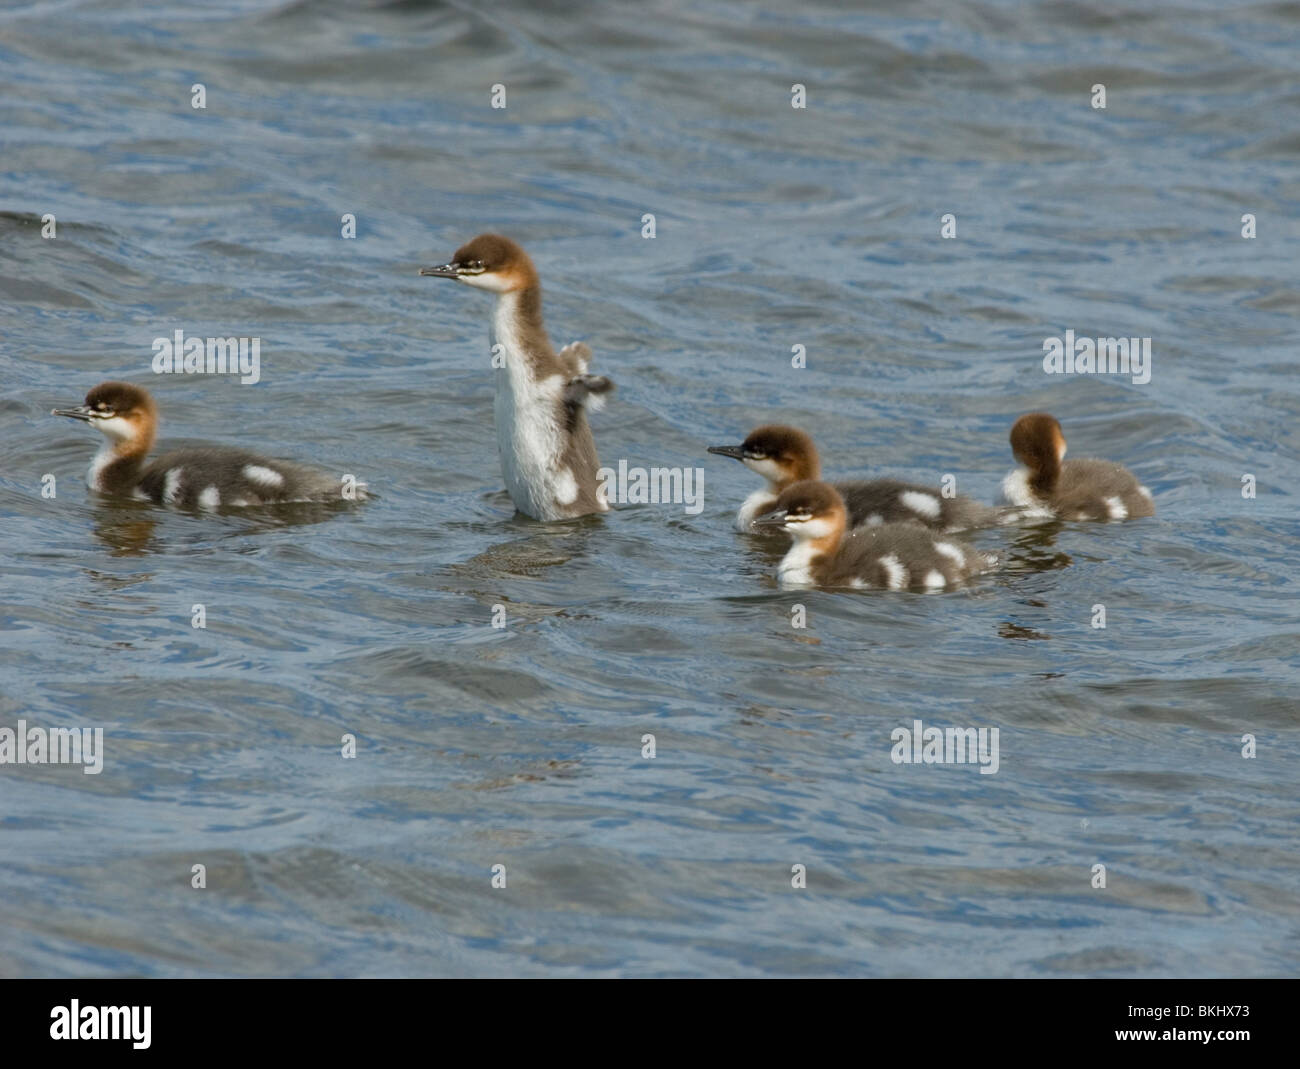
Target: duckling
(785, 455)
(548, 455)
(890, 556)
(208, 477)
(1048, 485)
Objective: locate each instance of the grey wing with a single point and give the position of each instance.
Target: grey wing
(892, 501)
(576, 357)
(586, 391)
(1101, 490)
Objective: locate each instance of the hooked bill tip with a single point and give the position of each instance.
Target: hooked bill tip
(71, 413)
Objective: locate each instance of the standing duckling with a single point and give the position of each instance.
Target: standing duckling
(548, 456)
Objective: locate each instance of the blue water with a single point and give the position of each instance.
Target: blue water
(521, 746)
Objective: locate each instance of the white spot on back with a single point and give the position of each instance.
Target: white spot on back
(934, 579)
(566, 488)
(172, 485)
(1145, 493)
(895, 573)
(952, 552)
(921, 503)
(210, 498)
(874, 520)
(1116, 508)
(256, 473)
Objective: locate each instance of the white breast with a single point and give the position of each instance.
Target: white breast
(795, 569)
(1016, 491)
(757, 502)
(530, 439)
(1015, 488)
(103, 458)
(896, 575)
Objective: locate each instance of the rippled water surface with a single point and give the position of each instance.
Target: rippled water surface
(521, 746)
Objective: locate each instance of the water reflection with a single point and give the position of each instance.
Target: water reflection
(1019, 631)
(544, 546)
(1033, 549)
(127, 528)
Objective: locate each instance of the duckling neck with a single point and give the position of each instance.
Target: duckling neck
(797, 565)
(114, 471)
(1044, 477)
(803, 468)
(525, 352)
(806, 559)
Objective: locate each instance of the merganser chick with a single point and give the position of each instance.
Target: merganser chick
(208, 477)
(548, 456)
(1048, 485)
(786, 455)
(891, 556)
